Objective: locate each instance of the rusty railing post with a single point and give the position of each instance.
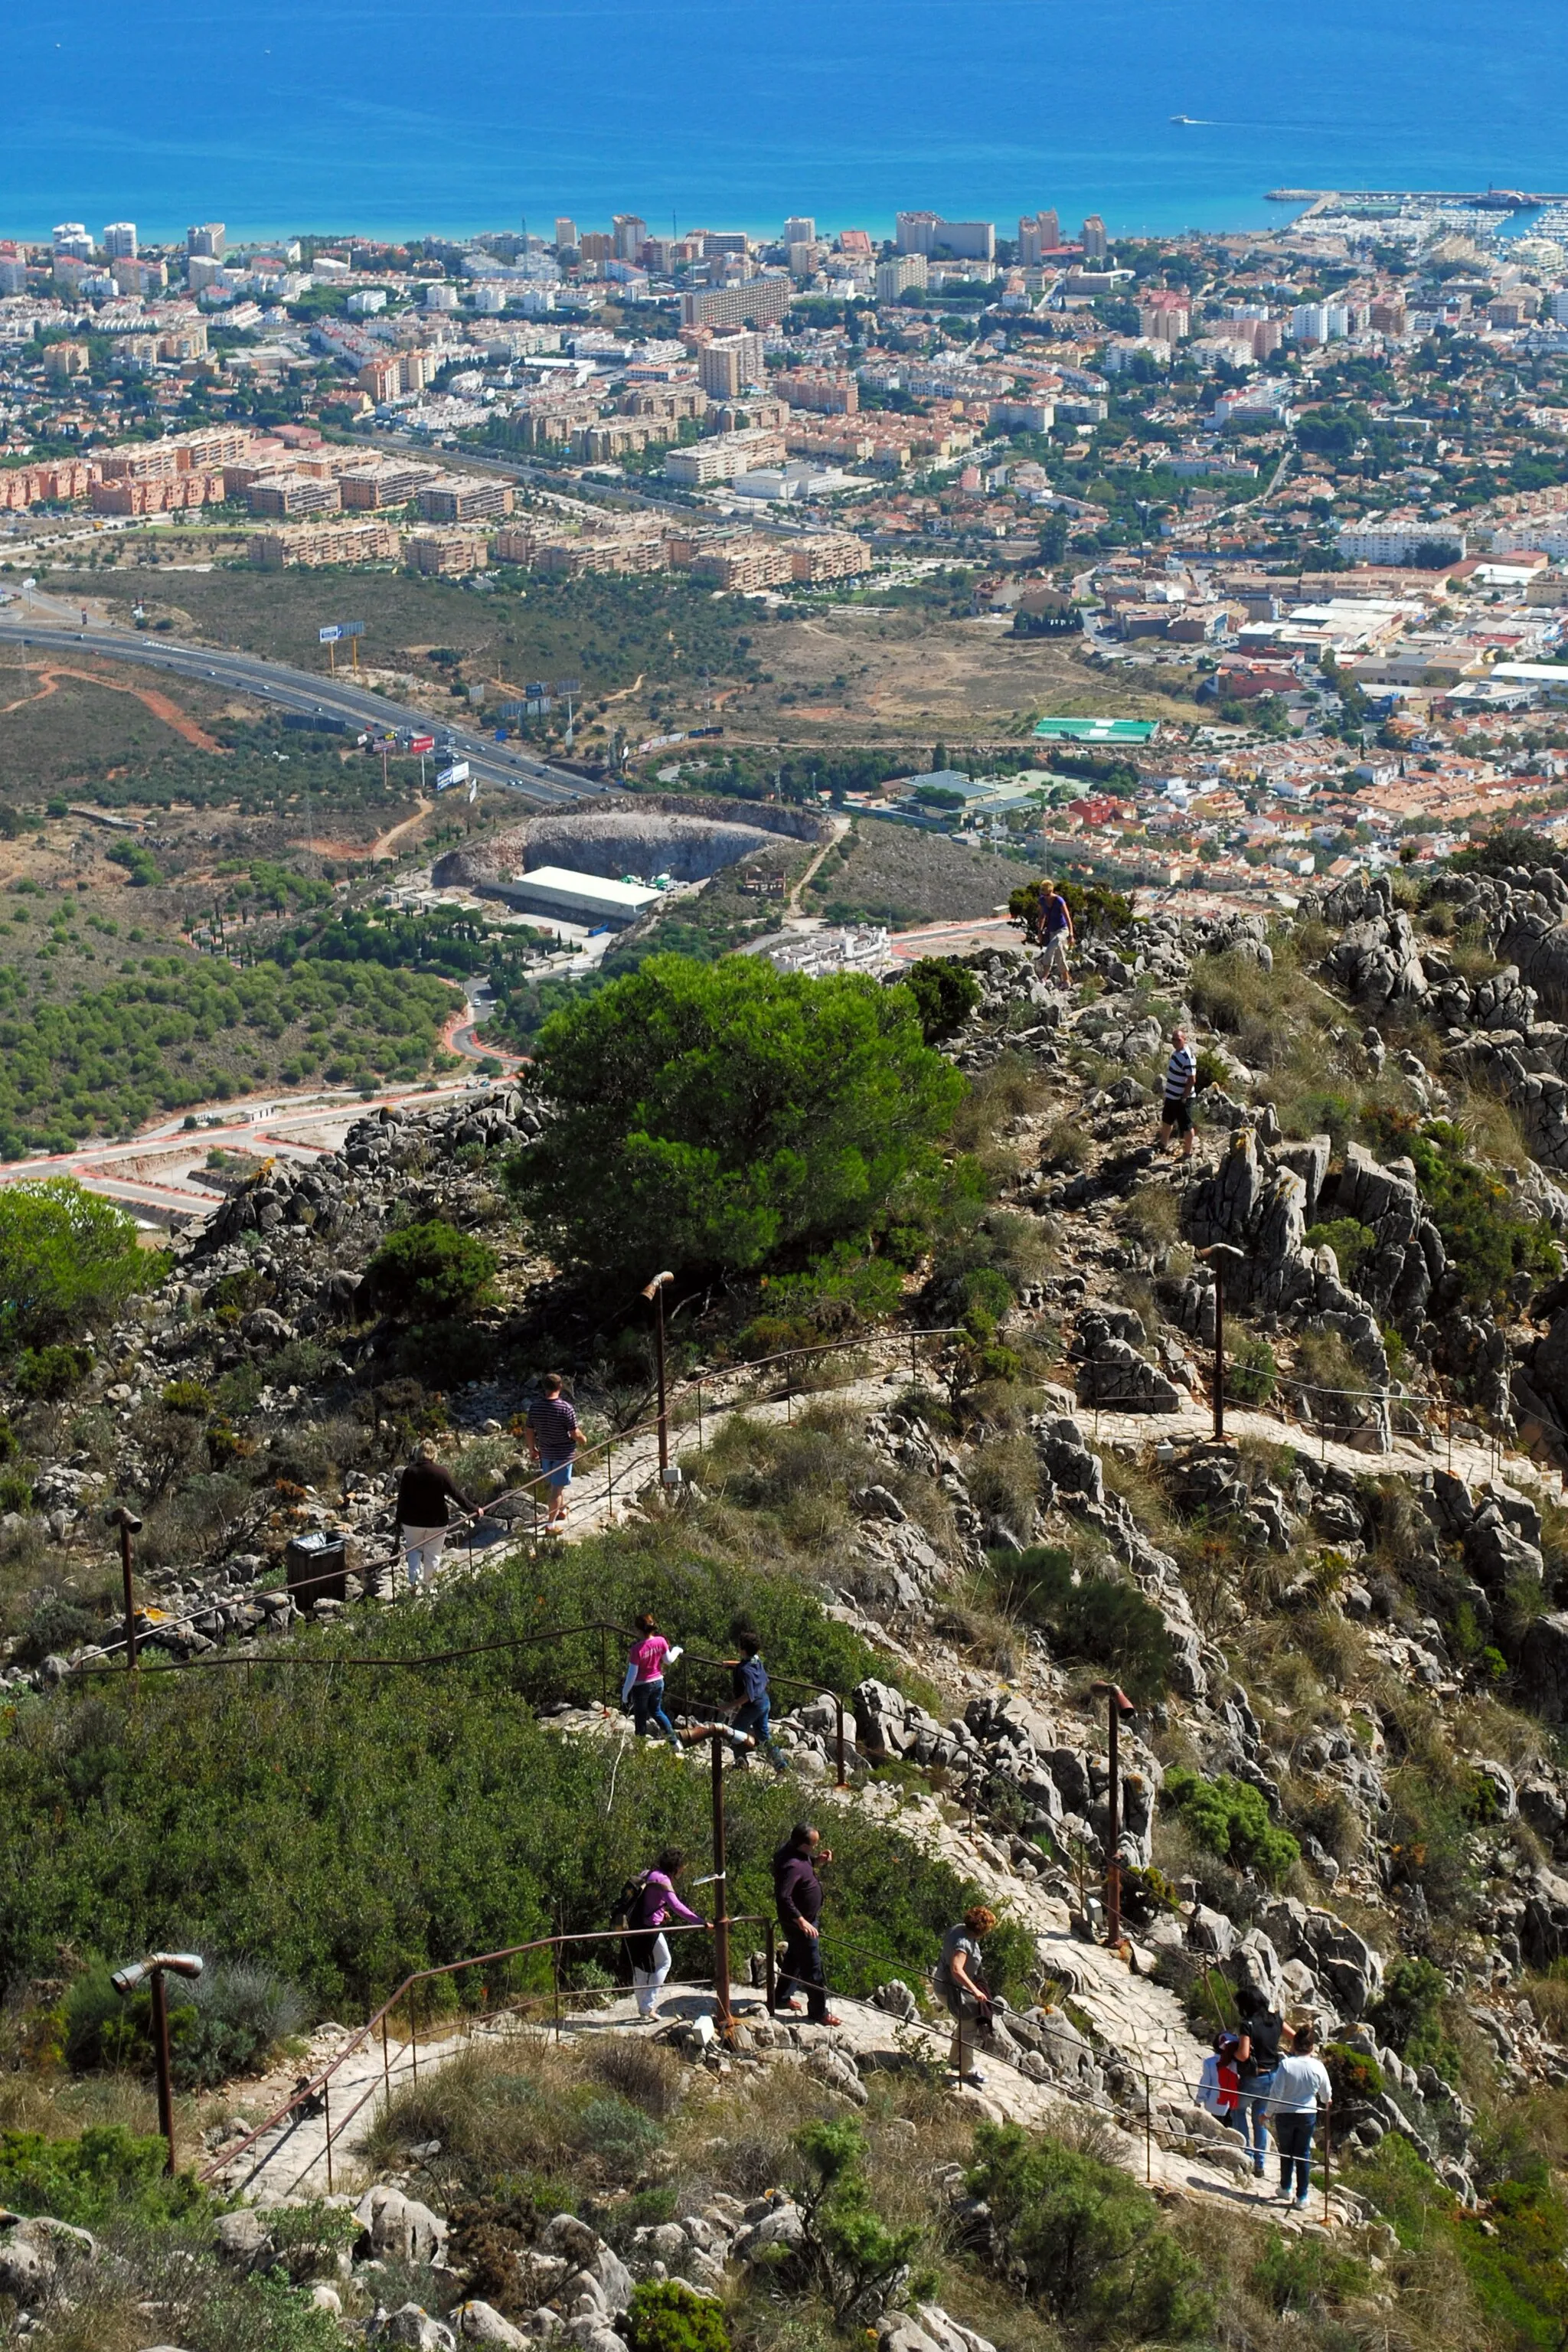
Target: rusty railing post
(414, 2031)
(327, 2113)
(771, 1977)
(128, 1525)
(721, 1883)
(385, 2065)
(161, 2052)
(843, 1775)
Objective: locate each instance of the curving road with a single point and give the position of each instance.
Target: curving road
(301, 691)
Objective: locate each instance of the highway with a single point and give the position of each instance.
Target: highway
(303, 691)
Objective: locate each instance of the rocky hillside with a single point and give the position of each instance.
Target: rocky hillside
(1343, 1628)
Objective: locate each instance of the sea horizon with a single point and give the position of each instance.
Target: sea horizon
(394, 121)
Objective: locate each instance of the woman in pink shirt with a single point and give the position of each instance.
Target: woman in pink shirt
(658, 1905)
(644, 1683)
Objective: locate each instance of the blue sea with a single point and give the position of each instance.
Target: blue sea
(274, 116)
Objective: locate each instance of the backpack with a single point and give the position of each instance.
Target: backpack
(627, 1908)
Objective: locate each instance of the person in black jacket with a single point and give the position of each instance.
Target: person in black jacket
(797, 1895)
(1257, 2055)
(423, 1493)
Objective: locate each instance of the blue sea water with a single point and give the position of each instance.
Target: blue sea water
(275, 115)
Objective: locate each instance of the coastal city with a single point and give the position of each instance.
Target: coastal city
(1311, 484)
(783, 1182)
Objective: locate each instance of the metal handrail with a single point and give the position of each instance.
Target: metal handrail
(605, 1445)
(315, 2085)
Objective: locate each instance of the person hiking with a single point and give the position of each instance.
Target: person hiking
(1056, 934)
(654, 1904)
(959, 1978)
(1219, 2084)
(1301, 2091)
(797, 1897)
(751, 1712)
(553, 1440)
(1258, 2054)
(423, 1491)
(1181, 1085)
(643, 1683)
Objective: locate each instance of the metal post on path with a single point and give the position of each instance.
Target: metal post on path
(1119, 1705)
(722, 1885)
(1221, 1256)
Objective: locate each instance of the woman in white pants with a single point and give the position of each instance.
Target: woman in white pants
(657, 1905)
(422, 1493)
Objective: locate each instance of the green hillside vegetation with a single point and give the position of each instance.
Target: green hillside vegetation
(131, 1824)
(604, 630)
(184, 1030)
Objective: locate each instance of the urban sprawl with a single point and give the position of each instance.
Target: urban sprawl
(1314, 479)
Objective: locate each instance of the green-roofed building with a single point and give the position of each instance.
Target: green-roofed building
(1129, 732)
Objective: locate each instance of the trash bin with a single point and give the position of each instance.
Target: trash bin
(316, 1568)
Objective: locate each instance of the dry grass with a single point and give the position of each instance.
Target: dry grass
(1003, 1480)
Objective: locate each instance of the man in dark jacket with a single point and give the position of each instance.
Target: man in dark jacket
(1258, 2054)
(423, 1493)
(798, 1894)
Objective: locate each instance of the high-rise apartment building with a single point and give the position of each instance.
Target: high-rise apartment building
(630, 232)
(120, 241)
(1092, 237)
(595, 248)
(800, 229)
(730, 361)
(566, 233)
(760, 301)
(902, 271)
(1039, 234)
(72, 242)
(928, 232)
(205, 238)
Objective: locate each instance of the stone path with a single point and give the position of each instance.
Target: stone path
(291, 2161)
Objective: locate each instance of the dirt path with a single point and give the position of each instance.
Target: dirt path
(841, 827)
(395, 833)
(150, 699)
(625, 691)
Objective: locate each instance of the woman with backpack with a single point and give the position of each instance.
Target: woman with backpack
(649, 1905)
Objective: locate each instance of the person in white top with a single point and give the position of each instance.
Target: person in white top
(1300, 2093)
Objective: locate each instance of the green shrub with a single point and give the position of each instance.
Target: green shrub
(105, 2175)
(1487, 1243)
(186, 1396)
(855, 2257)
(838, 1292)
(1090, 2241)
(1251, 1369)
(1355, 2073)
(1347, 1237)
(667, 2316)
(16, 1488)
(433, 1270)
(1409, 2014)
(713, 1114)
(51, 1372)
(1294, 2274)
(66, 1259)
(53, 1628)
(945, 996)
(1099, 1619)
(1232, 1820)
(623, 2134)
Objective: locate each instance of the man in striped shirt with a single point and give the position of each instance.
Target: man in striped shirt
(1181, 1083)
